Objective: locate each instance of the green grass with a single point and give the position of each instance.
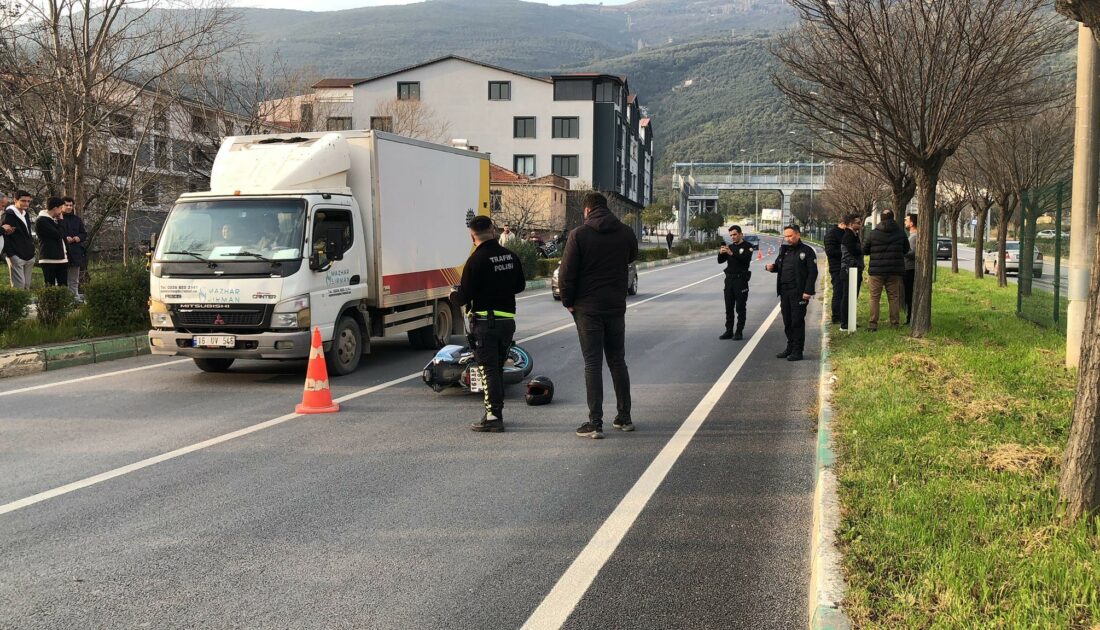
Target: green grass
(948, 456)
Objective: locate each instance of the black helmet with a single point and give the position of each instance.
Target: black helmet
(540, 391)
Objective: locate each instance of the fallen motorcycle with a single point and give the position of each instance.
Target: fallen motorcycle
(456, 366)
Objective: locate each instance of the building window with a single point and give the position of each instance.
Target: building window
(524, 165)
(149, 194)
(229, 127)
(495, 202)
(523, 127)
(409, 91)
(338, 123)
(198, 156)
(574, 90)
(198, 124)
(382, 123)
(160, 123)
(567, 127)
(120, 164)
(160, 153)
(121, 126)
(607, 92)
(500, 90)
(565, 165)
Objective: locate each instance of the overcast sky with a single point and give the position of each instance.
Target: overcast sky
(333, 5)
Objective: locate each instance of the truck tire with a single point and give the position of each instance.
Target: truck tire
(343, 354)
(213, 365)
(438, 334)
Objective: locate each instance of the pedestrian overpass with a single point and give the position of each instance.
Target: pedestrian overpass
(698, 184)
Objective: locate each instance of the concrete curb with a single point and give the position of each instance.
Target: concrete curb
(544, 283)
(23, 361)
(827, 587)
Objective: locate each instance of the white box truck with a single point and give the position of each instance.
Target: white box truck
(359, 233)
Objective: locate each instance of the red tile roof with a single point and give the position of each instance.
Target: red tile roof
(501, 175)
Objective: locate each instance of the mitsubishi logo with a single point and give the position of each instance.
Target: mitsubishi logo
(218, 321)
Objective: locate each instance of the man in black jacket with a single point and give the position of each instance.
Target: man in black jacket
(795, 284)
(851, 256)
(18, 242)
(593, 280)
(75, 237)
(886, 246)
(491, 279)
(833, 240)
(737, 256)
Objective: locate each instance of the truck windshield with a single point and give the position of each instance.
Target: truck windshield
(228, 230)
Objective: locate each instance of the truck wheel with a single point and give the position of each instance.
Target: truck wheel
(441, 330)
(213, 365)
(343, 354)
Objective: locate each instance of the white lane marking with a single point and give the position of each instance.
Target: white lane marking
(157, 459)
(575, 582)
(631, 305)
(93, 377)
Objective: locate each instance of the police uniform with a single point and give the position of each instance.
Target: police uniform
(737, 285)
(491, 279)
(796, 267)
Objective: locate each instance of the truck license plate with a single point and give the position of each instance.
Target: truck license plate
(214, 341)
(477, 384)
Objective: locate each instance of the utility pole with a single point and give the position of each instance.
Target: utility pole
(1082, 248)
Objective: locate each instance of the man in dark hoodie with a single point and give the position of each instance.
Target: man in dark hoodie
(833, 239)
(593, 280)
(886, 246)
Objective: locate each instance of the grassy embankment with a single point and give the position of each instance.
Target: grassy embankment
(948, 457)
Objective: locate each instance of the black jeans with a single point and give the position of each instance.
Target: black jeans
(737, 295)
(840, 295)
(493, 339)
(909, 277)
(56, 275)
(793, 308)
(604, 335)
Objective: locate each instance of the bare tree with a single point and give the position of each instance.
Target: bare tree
(970, 169)
(922, 76)
(952, 201)
(852, 189)
(414, 119)
(1079, 485)
(81, 60)
(524, 206)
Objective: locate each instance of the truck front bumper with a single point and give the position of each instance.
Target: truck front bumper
(267, 345)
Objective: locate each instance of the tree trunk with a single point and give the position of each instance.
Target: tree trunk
(921, 320)
(979, 243)
(1079, 486)
(1007, 207)
(955, 244)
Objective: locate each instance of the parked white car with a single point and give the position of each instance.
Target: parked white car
(1050, 234)
(1012, 260)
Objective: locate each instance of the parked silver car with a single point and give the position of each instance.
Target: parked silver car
(1012, 260)
(631, 282)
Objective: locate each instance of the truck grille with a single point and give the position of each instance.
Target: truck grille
(226, 318)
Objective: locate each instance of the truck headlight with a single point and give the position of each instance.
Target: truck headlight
(292, 313)
(159, 316)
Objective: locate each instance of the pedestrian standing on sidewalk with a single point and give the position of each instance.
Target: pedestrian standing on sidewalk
(18, 242)
(593, 280)
(737, 256)
(51, 244)
(668, 240)
(851, 256)
(795, 284)
(491, 279)
(910, 265)
(75, 237)
(506, 236)
(833, 238)
(886, 246)
(4, 229)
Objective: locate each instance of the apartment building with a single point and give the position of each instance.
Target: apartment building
(585, 127)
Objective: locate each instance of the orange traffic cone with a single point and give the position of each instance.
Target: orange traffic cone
(316, 398)
(760, 254)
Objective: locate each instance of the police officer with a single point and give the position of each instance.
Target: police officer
(737, 257)
(491, 279)
(797, 269)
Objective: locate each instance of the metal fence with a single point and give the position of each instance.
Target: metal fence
(1042, 253)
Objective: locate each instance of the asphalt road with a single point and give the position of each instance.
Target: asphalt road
(391, 514)
(1045, 282)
